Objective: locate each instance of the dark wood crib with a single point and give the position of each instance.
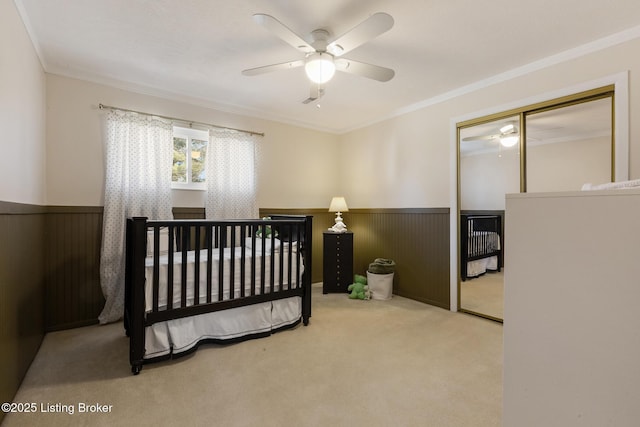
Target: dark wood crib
(480, 237)
(187, 270)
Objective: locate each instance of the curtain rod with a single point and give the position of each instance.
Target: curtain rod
(190, 122)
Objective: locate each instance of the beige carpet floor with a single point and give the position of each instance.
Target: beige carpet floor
(358, 363)
(484, 294)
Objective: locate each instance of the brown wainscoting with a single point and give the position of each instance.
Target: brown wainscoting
(73, 240)
(188, 213)
(73, 236)
(22, 286)
(416, 239)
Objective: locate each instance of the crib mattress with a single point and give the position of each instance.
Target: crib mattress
(229, 256)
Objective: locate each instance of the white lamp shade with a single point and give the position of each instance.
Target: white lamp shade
(338, 204)
(320, 67)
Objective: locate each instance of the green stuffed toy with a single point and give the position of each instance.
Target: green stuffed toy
(359, 289)
(267, 229)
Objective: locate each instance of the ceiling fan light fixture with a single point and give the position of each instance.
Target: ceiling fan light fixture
(320, 67)
(509, 141)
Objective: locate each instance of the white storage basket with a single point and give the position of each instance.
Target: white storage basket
(380, 285)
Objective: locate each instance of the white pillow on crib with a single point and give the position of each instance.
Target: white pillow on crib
(248, 243)
(277, 243)
(285, 246)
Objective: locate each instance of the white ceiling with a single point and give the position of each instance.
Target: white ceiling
(196, 49)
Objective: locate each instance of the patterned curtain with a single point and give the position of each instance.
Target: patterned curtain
(231, 175)
(138, 159)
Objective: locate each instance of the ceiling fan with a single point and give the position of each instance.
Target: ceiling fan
(507, 135)
(323, 54)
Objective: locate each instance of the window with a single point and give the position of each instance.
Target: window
(189, 158)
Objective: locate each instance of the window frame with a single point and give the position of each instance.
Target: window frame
(189, 134)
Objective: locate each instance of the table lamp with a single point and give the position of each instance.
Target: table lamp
(338, 205)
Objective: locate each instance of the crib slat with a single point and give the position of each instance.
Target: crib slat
(277, 269)
(253, 261)
(290, 257)
(263, 259)
(281, 278)
(472, 241)
(172, 233)
(209, 243)
(183, 269)
(243, 255)
(232, 264)
(272, 252)
(221, 245)
(302, 245)
(196, 268)
(156, 267)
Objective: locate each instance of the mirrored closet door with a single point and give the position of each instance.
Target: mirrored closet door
(489, 168)
(569, 147)
(559, 145)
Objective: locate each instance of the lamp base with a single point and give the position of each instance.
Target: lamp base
(339, 226)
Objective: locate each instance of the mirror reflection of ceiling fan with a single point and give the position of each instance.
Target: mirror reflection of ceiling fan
(507, 135)
(323, 54)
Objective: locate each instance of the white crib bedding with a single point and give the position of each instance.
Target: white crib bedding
(180, 335)
(281, 252)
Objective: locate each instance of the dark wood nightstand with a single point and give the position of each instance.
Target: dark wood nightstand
(337, 268)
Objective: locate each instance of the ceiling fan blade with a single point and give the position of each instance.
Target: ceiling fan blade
(507, 129)
(368, 29)
(274, 67)
(480, 138)
(283, 32)
(374, 72)
(316, 93)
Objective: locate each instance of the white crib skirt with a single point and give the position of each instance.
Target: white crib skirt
(180, 335)
(481, 266)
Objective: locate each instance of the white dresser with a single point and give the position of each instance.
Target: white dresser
(572, 309)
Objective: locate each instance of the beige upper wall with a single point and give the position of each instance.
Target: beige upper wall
(405, 161)
(22, 113)
(589, 162)
(296, 170)
(486, 178)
